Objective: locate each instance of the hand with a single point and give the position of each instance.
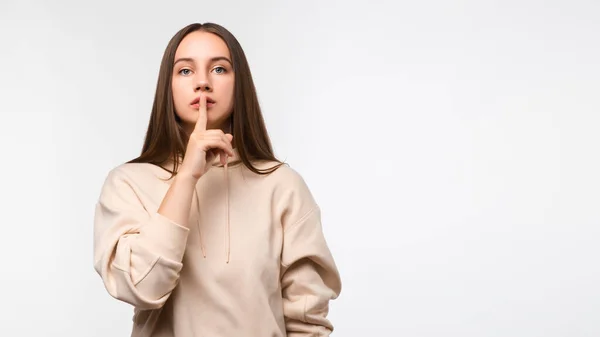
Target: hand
(204, 145)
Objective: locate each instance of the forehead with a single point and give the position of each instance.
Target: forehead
(201, 45)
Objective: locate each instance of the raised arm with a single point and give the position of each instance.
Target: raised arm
(136, 253)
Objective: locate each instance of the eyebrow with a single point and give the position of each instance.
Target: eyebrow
(214, 59)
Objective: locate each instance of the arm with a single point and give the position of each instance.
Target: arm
(310, 279)
(138, 255)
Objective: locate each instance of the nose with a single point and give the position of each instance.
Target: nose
(203, 85)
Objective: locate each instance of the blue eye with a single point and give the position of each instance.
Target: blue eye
(182, 70)
(220, 72)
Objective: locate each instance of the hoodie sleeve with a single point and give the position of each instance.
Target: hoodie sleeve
(310, 279)
(137, 254)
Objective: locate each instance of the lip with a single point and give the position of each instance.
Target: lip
(196, 106)
(209, 101)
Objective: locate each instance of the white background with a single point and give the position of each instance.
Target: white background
(453, 147)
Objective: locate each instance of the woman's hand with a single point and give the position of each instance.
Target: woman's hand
(204, 145)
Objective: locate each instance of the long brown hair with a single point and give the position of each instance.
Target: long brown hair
(166, 139)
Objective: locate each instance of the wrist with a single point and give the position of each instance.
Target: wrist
(186, 178)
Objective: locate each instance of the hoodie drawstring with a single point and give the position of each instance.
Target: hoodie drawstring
(227, 219)
(228, 244)
(198, 223)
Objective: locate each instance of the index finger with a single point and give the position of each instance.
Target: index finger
(202, 117)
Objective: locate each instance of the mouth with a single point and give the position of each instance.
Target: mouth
(196, 102)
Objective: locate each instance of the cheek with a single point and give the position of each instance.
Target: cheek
(229, 88)
(179, 99)
(177, 92)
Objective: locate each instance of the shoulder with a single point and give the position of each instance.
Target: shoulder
(285, 171)
(127, 172)
(288, 178)
(134, 176)
(292, 193)
(138, 170)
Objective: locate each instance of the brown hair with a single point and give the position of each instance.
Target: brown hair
(166, 139)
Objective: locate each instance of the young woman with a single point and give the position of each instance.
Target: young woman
(206, 233)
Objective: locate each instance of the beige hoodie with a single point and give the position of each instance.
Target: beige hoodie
(253, 260)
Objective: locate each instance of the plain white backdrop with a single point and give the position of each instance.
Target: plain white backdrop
(452, 144)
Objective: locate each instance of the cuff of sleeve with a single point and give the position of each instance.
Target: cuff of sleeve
(167, 238)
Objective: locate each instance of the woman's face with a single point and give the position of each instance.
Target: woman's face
(203, 64)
